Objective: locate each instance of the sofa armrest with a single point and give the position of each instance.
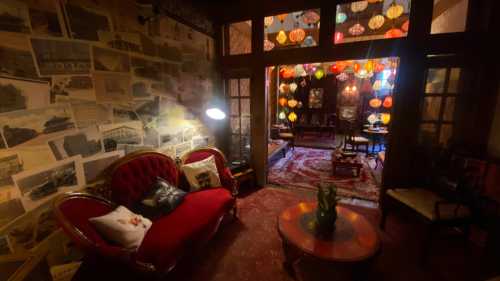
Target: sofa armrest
(228, 181)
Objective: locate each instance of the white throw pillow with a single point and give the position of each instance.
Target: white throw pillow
(202, 174)
(123, 227)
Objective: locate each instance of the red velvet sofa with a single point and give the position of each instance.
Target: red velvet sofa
(189, 226)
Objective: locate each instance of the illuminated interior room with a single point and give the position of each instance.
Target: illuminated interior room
(249, 140)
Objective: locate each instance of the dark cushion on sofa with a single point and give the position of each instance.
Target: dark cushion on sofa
(163, 198)
(192, 222)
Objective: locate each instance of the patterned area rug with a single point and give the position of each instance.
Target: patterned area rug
(306, 167)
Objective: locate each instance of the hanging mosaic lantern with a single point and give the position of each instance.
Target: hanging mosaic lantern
(319, 73)
(338, 37)
(288, 73)
(282, 101)
(369, 66)
(359, 6)
(268, 21)
(342, 77)
(297, 35)
(292, 117)
(375, 103)
(363, 74)
(377, 85)
(281, 37)
(394, 11)
(376, 22)
(356, 67)
(379, 67)
(356, 30)
(340, 18)
(292, 103)
(299, 71)
(406, 26)
(334, 68)
(310, 17)
(393, 33)
(268, 45)
(284, 88)
(386, 118)
(387, 102)
(282, 115)
(309, 41)
(293, 87)
(282, 17)
(372, 118)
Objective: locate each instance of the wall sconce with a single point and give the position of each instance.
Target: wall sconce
(215, 110)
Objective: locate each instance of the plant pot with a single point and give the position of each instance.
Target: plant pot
(326, 220)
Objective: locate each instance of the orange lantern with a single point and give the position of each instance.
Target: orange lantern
(356, 67)
(393, 33)
(369, 66)
(282, 17)
(379, 67)
(386, 118)
(406, 26)
(297, 35)
(282, 101)
(375, 103)
(341, 65)
(292, 103)
(387, 102)
(335, 69)
(374, 1)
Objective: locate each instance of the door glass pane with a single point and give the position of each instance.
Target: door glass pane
(235, 147)
(235, 125)
(445, 134)
(449, 16)
(427, 133)
(233, 87)
(449, 109)
(245, 87)
(454, 79)
(431, 108)
(240, 38)
(435, 80)
(245, 107)
(245, 125)
(235, 109)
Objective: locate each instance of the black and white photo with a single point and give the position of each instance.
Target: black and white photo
(9, 165)
(85, 23)
(122, 133)
(17, 61)
(23, 94)
(95, 165)
(107, 59)
(14, 16)
(112, 87)
(89, 114)
(125, 41)
(45, 19)
(76, 87)
(145, 68)
(9, 210)
(5, 248)
(123, 113)
(86, 142)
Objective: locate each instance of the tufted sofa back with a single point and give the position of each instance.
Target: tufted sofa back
(134, 175)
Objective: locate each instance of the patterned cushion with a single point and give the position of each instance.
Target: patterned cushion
(423, 201)
(161, 200)
(202, 174)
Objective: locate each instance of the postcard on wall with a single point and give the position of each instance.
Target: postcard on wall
(42, 184)
(170, 50)
(10, 210)
(141, 89)
(5, 247)
(35, 126)
(129, 148)
(182, 148)
(122, 133)
(76, 87)
(14, 16)
(148, 111)
(61, 56)
(85, 23)
(89, 114)
(123, 113)
(107, 59)
(147, 69)
(125, 41)
(151, 137)
(148, 46)
(9, 165)
(95, 165)
(46, 18)
(86, 142)
(16, 57)
(112, 87)
(23, 94)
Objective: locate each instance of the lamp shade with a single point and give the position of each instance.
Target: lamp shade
(388, 102)
(215, 113)
(281, 37)
(292, 117)
(282, 101)
(394, 11)
(356, 30)
(375, 103)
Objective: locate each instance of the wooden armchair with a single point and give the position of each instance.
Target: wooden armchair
(354, 140)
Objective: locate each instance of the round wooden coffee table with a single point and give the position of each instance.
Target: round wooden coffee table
(349, 248)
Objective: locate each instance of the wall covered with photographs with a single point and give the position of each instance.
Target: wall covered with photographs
(83, 83)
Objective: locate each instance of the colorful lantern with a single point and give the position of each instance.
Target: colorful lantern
(363, 74)
(369, 66)
(319, 73)
(359, 6)
(376, 22)
(281, 37)
(287, 73)
(297, 35)
(387, 102)
(309, 41)
(268, 45)
(293, 87)
(406, 26)
(356, 30)
(372, 118)
(282, 101)
(282, 115)
(284, 88)
(342, 77)
(386, 118)
(268, 21)
(393, 33)
(292, 103)
(394, 11)
(377, 85)
(375, 102)
(282, 17)
(356, 67)
(299, 71)
(379, 67)
(334, 68)
(310, 17)
(292, 117)
(340, 18)
(338, 37)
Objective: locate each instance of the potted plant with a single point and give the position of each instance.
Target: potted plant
(326, 214)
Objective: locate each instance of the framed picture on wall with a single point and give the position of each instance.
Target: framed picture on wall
(316, 98)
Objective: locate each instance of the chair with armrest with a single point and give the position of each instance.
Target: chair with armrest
(353, 139)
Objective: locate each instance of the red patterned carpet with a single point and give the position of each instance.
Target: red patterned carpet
(306, 167)
(250, 249)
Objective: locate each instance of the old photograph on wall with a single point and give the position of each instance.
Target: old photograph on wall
(77, 87)
(145, 68)
(89, 114)
(35, 126)
(19, 94)
(5, 248)
(112, 87)
(95, 165)
(60, 56)
(86, 142)
(125, 41)
(122, 133)
(14, 16)
(148, 111)
(107, 59)
(45, 18)
(124, 113)
(9, 210)
(85, 23)
(9, 165)
(39, 185)
(16, 57)
(182, 148)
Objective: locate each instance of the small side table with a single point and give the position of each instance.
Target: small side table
(244, 179)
